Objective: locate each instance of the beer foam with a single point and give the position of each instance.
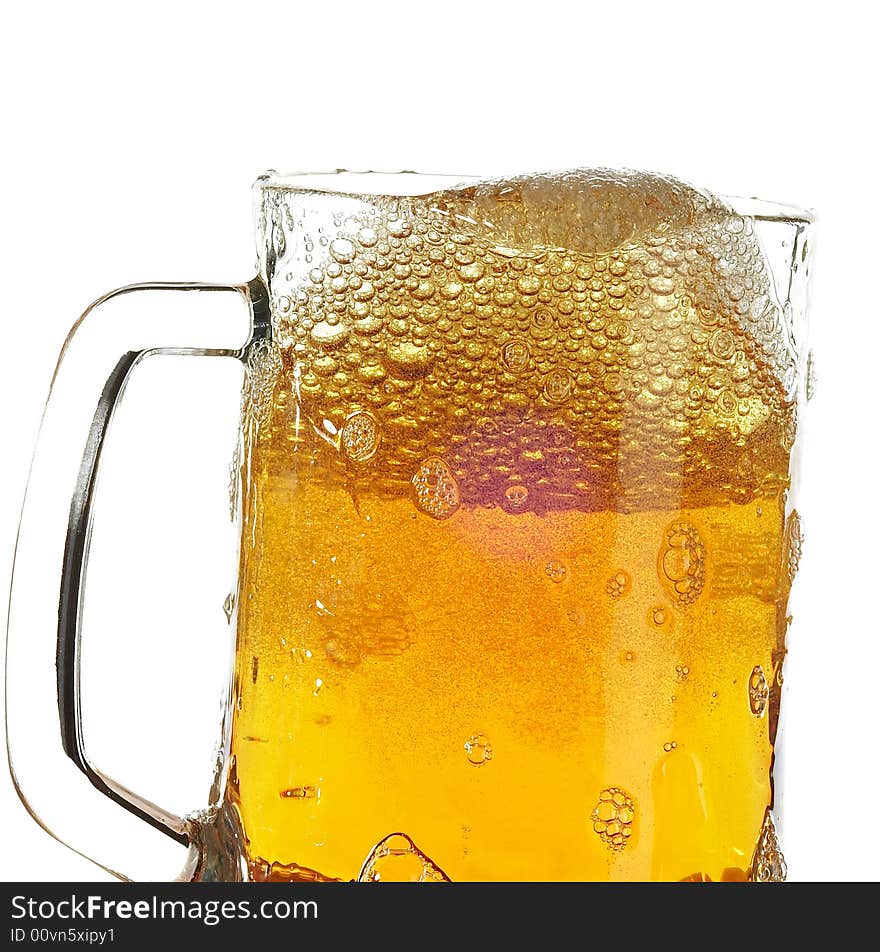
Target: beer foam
(582, 339)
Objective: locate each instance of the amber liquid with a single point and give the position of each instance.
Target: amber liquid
(513, 594)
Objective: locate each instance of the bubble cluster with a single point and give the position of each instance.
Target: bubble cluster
(478, 749)
(396, 859)
(613, 817)
(682, 671)
(547, 334)
(618, 585)
(759, 691)
(682, 563)
(436, 489)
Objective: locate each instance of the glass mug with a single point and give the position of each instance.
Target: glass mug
(514, 484)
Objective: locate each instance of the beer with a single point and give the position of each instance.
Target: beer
(517, 537)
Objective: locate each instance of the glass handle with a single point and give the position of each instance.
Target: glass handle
(41, 630)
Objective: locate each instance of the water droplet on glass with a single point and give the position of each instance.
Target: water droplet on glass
(478, 749)
(396, 859)
(613, 817)
(794, 542)
(811, 376)
(308, 792)
(555, 570)
(229, 607)
(515, 356)
(360, 437)
(768, 864)
(436, 490)
(557, 385)
(516, 497)
(759, 691)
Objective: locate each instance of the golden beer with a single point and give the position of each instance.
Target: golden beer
(517, 537)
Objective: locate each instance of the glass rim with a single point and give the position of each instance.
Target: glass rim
(408, 183)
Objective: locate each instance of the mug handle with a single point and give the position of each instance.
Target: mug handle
(40, 549)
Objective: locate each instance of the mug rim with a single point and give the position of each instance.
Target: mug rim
(420, 184)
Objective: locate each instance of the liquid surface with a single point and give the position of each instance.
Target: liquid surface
(517, 538)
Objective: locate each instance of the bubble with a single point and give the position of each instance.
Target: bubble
(557, 385)
(342, 250)
(367, 237)
(328, 336)
(613, 817)
(399, 228)
(555, 570)
(759, 691)
(682, 563)
(436, 490)
(478, 749)
(408, 360)
(618, 585)
(360, 436)
(629, 656)
(396, 859)
(515, 356)
(229, 607)
(670, 746)
(516, 497)
(308, 792)
(768, 864)
(658, 616)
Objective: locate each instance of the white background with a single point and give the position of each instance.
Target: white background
(132, 133)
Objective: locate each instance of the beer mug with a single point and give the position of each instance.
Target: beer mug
(514, 489)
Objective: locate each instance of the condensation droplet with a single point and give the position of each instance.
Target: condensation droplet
(618, 585)
(516, 497)
(307, 792)
(555, 570)
(436, 490)
(360, 436)
(793, 547)
(396, 859)
(515, 356)
(759, 691)
(613, 817)
(682, 563)
(811, 376)
(478, 749)
(768, 864)
(557, 385)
